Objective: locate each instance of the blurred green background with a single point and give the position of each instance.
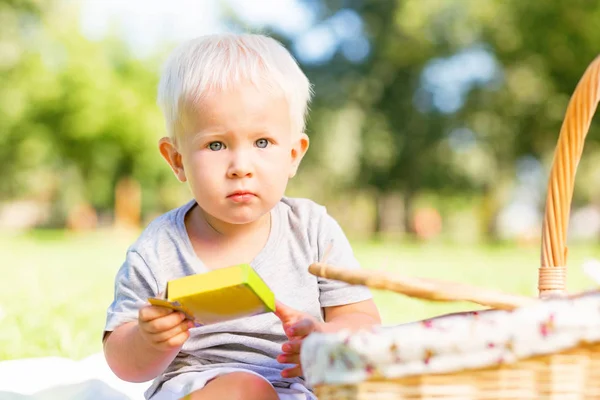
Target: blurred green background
(432, 133)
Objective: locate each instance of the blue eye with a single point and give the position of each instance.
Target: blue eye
(215, 146)
(262, 143)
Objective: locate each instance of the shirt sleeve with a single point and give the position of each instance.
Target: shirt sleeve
(340, 254)
(134, 283)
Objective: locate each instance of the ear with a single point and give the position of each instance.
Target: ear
(169, 152)
(299, 149)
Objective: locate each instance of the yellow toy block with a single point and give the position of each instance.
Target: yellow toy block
(219, 295)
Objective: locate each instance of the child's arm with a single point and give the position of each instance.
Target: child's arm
(351, 316)
(139, 351)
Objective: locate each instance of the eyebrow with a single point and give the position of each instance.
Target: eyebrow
(203, 135)
(221, 134)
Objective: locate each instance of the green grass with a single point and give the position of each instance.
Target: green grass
(55, 287)
(54, 292)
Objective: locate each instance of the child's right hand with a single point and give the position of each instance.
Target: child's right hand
(163, 328)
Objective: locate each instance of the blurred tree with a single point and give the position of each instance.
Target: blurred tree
(436, 96)
(543, 50)
(402, 137)
(16, 21)
(79, 117)
(32, 6)
(508, 67)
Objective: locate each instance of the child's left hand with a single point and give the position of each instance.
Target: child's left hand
(297, 325)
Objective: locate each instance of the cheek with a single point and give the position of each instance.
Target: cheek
(199, 167)
(206, 159)
(282, 169)
(278, 163)
(283, 155)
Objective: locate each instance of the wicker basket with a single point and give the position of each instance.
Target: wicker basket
(521, 348)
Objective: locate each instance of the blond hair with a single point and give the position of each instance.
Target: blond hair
(221, 61)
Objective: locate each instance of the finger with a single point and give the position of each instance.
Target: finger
(166, 335)
(150, 312)
(175, 341)
(302, 328)
(164, 323)
(292, 372)
(293, 346)
(288, 358)
(284, 313)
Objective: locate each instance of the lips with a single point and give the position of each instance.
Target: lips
(241, 193)
(241, 196)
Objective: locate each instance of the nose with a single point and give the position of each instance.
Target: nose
(240, 165)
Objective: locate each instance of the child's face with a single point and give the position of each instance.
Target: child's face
(238, 154)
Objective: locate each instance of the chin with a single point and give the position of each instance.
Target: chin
(242, 218)
(241, 221)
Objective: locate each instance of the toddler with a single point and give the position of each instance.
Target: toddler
(235, 107)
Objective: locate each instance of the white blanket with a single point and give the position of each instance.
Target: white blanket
(54, 378)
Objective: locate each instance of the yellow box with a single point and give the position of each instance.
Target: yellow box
(219, 295)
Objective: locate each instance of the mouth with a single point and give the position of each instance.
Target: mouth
(241, 196)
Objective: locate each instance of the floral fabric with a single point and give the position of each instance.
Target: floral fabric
(451, 343)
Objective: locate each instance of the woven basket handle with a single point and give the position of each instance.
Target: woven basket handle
(578, 117)
(428, 289)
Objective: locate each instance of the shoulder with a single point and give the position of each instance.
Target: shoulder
(304, 214)
(163, 231)
(158, 245)
(301, 208)
(309, 219)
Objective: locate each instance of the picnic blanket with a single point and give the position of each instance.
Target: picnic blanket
(57, 378)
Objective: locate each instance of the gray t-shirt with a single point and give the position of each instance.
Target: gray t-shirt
(301, 231)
